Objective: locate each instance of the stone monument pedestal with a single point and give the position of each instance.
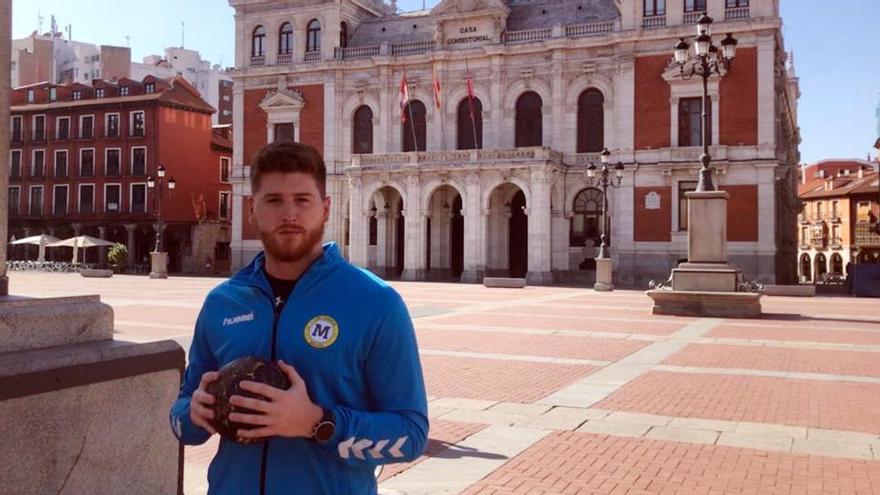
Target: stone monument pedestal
(604, 275)
(158, 265)
(706, 285)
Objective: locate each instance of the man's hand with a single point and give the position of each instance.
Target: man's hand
(199, 413)
(286, 413)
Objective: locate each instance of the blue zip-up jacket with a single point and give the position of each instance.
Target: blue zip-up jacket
(349, 335)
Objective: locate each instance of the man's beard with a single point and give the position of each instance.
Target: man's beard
(291, 249)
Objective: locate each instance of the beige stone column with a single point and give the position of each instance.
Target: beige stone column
(5, 55)
(130, 228)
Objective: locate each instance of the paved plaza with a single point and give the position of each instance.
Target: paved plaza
(558, 390)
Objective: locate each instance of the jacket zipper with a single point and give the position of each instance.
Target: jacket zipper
(279, 305)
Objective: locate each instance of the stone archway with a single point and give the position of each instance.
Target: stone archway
(821, 267)
(386, 233)
(806, 268)
(445, 234)
(507, 232)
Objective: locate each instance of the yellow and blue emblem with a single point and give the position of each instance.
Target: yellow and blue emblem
(321, 331)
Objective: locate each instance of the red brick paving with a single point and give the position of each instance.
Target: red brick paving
(441, 435)
(778, 359)
(796, 334)
(511, 381)
(553, 323)
(581, 463)
(526, 344)
(811, 403)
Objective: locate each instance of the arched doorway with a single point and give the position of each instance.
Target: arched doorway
(837, 264)
(806, 268)
(386, 237)
(821, 267)
(445, 234)
(586, 226)
(508, 233)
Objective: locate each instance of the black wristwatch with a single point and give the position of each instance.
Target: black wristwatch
(325, 428)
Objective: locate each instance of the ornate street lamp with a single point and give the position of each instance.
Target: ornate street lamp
(605, 181)
(707, 60)
(159, 189)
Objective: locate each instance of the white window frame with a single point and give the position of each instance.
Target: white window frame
(42, 197)
(18, 206)
(131, 122)
(131, 196)
(107, 124)
(107, 160)
(34, 126)
(220, 204)
(53, 93)
(66, 163)
(99, 92)
(131, 159)
(34, 161)
(30, 96)
(20, 161)
(229, 168)
(149, 88)
(79, 197)
(12, 125)
(94, 162)
(119, 203)
(123, 91)
(67, 206)
(77, 95)
(58, 127)
(79, 130)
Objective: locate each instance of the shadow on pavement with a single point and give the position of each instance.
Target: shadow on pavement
(446, 450)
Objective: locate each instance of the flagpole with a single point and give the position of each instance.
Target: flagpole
(471, 103)
(412, 123)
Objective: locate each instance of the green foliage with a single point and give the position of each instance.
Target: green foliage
(117, 254)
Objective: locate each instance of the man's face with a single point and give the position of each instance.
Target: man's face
(289, 213)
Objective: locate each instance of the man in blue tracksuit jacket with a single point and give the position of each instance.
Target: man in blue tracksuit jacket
(342, 335)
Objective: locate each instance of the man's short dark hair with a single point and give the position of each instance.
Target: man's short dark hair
(286, 158)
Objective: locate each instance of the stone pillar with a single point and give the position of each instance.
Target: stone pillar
(557, 138)
(130, 228)
(539, 230)
(474, 231)
(415, 233)
(102, 251)
(5, 56)
(383, 242)
(359, 228)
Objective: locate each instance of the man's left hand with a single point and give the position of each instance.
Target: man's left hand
(285, 413)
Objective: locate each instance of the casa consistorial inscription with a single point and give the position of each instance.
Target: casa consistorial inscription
(468, 34)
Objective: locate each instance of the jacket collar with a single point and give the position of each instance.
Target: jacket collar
(253, 275)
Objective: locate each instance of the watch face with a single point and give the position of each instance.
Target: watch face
(324, 431)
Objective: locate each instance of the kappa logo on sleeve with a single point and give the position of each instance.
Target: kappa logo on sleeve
(321, 331)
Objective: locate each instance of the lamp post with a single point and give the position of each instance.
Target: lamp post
(604, 275)
(708, 60)
(159, 259)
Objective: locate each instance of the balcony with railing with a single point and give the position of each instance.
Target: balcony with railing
(285, 58)
(478, 157)
(313, 56)
(526, 36)
(654, 22)
(736, 13)
(692, 17)
(356, 52)
(258, 60)
(412, 47)
(589, 29)
(865, 237)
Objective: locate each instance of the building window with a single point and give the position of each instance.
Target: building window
(16, 129)
(224, 169)
(15, 164)
(139, 161)
(591, 121)
(470, 124)
(86, 126)
(86, 198)
(285, 43)
(284, 133)
(835, 234)
(414, 129)
(258, 42)
(834, 210)
(87, 163)
(529, 125)
(690, 122)
(53, 94)
(805, 236)
(99, 93)
(123, 91)
(150, 88)
(38, 163)
(655, 7)
(111, 163)
(62, 128)
(30, 96)
(732, 4)
(112, 125)
(694, 5)
(819, 212)
(14, 200)
(61, 163)
(77, 95)
(138, 198)
(313, 36)
(362, 138)
(224, 206)
(343, 35)
(112, 199)
(137, 123)
(36, 201)
(587, 211)
(863, 212)
(684, 187)
(59, 200)
(39, 132)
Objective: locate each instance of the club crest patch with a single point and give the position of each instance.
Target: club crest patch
(321, 331)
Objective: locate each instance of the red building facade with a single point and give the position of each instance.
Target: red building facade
(80, 156)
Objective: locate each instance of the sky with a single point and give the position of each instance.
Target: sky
(835, 45)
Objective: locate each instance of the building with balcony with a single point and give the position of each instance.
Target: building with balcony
(80, 156)
(841, 204)
(454, 188)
